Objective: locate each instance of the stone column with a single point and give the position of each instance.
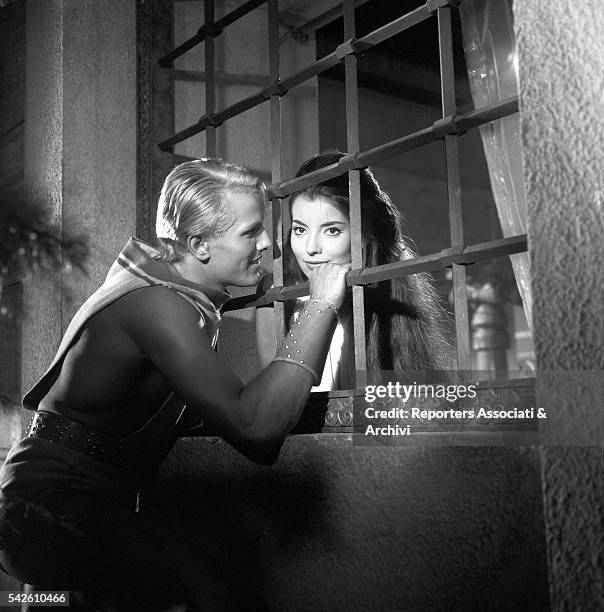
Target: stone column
(561, 60)
(80, 150)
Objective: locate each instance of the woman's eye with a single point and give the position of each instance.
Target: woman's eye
(297, 230)
(333, 231)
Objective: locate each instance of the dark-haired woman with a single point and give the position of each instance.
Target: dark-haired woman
(404, 320)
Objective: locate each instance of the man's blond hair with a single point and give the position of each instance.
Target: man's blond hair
(194, 202)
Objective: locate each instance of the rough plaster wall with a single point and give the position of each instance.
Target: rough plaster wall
(561, 58)
(334, 526)
(42, 329)
(99, 132)
(80, 143)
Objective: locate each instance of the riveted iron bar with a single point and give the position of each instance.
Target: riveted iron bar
(354, 187)
(349, 47)
(210, 84)
(209, 31)
(402, 23)
(474, 118)
(447, 257)
(397, 147)
(215, 120)
(447, 69)
(462, 256)
(276, 208)
(449, 107)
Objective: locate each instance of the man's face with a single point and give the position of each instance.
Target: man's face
(235, 255)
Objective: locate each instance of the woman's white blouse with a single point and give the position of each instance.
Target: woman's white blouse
(338, 372)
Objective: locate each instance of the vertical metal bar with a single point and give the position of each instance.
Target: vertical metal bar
(449, 105)
(210, 72)
(277, 209)
(354, 186)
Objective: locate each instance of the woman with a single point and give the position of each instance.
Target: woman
(404, 322)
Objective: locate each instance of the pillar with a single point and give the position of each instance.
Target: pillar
(80, 150)
(561, 59)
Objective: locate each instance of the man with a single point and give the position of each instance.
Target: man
(108, 406)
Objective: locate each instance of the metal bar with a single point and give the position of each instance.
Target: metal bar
(207, 31)
(402, 145)
(477, 117)
(222, 78)
(421, 13)
(449, 106)
(354, 195)
(426, 263)
(277, 206)
(447, 257)
(349, 47)
(210, 84)
(214, 120)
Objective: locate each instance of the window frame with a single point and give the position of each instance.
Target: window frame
(332, 411)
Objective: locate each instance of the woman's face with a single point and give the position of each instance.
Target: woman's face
(320, 233)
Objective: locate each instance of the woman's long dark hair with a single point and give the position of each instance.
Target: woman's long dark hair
(404, 320)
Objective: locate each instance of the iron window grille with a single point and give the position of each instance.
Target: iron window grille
(333, 411)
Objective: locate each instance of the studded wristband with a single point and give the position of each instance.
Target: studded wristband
(307, 342)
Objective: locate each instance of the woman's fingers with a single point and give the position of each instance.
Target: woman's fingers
(328, 282)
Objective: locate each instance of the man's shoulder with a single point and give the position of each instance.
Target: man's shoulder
(160, 322)
(157, 304)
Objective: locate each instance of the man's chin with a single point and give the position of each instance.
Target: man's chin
(251, 280)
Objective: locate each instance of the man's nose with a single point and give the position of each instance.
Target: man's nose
(313, 244)
(263, 241)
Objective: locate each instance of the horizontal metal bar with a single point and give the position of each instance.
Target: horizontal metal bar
(458, 255)
(212, 30)
(214, 120)
(455, 124)
(321, 65)
(464, 255)
(222, 78)
(352, 46)
(421, 13)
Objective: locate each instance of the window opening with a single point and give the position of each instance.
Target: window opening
(454, 121)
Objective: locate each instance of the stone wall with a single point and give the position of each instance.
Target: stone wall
(80, 150)
(561, 57)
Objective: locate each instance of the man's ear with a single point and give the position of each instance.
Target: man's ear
(198, 247)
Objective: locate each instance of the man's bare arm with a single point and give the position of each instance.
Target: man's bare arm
(254, 418)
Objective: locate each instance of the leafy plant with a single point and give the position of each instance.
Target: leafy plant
(31, 243)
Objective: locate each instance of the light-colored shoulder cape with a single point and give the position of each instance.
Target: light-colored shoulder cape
(137, 266)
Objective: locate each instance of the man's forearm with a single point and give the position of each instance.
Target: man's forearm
(273, 403)
(275, 399)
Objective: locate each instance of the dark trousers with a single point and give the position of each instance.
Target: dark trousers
(111, 557)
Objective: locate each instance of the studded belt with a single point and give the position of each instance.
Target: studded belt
(80, 438)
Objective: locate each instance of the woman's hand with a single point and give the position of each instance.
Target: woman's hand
(328, 282)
